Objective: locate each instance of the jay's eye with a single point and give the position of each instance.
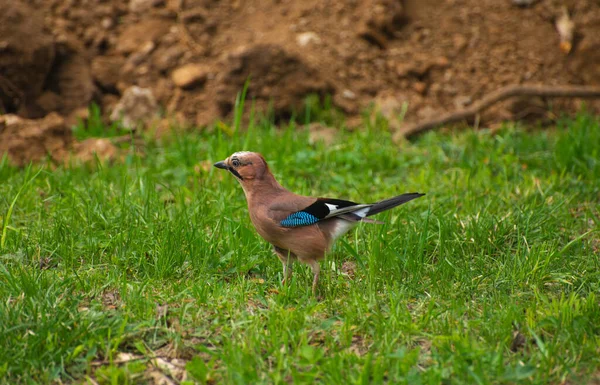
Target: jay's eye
(235, 163)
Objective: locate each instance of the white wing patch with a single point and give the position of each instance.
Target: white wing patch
(334, 211)
(331, 207)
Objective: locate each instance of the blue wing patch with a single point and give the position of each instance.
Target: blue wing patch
(300, 218)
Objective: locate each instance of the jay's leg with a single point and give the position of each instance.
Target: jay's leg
(316, 268)
(287, 272)
(286, 257)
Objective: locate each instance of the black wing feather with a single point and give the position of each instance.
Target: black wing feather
(390, 203)
(314, 213)
(320, 210)
(343, 209)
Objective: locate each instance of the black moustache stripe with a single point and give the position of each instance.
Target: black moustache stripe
(237, 174)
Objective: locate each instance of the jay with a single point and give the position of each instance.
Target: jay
(300, 228)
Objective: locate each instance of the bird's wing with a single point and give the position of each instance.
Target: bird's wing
(324, 208)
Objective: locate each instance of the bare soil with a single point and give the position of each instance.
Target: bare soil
(26, 140)
(195, 55)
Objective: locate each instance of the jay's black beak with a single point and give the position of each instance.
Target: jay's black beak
(222, 165)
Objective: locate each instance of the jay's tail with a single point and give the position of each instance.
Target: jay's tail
(387, 204)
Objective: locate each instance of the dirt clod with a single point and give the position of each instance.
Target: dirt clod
(102, 148)
(106, 71)
(26, 140)
(318, 132)
(137, 34)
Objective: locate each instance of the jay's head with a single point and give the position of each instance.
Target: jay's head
(245, 166)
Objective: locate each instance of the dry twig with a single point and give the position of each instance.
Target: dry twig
(497, 96)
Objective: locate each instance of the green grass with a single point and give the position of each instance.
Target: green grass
(156, 257)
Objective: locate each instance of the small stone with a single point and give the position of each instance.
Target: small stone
(420, 87)
(189, 75)
(523, 3)
(459, 42)
(348, 94)
(107, 23)
(137, 106)
(442, 62)
(143, 5)
(306, 38)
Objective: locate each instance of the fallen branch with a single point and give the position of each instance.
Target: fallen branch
(497, 96)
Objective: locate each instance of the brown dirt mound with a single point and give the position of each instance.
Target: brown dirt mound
(26, 54)
(27, 140)
(195, 55)
(32, 140)
(273, 73)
